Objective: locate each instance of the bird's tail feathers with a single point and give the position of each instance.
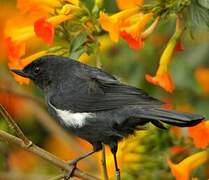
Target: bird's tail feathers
(181, 119)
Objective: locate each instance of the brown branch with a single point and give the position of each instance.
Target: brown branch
(6, 137)
(25, 143)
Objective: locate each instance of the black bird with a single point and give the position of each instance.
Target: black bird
(95, 106)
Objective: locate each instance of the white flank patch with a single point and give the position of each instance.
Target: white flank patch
(69, 118)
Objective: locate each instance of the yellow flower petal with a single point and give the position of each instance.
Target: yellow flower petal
(162, 77)
(128, 3)
(113, 23)
(183, 169)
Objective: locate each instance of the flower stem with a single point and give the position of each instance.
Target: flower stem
(104, 165)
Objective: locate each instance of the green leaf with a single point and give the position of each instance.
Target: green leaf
(88, 3)
(76, 54)
(198, 16)
(204, 3)
(78, 41)
(76, 45)
(3, 124)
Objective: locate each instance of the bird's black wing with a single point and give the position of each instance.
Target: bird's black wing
(98, 91)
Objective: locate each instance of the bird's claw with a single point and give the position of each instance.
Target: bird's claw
(72, 163)
(29, 144)
(117, 174)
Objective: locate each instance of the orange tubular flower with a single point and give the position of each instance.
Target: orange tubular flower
(113, 23)
(128, 4)
(44, 30)
(15, 38)
(25, 33)
(129, 25)
(132, 34)
(183, 169)
(200, 134)
(162, 77)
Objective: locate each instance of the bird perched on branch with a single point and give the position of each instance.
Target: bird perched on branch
(95, 106)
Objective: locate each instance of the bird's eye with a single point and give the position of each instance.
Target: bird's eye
(36, 70)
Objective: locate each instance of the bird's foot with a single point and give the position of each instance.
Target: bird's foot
(72, 163)
(28, 144)
(117, 174)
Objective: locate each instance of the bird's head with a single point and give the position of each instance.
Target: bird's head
(44, 70)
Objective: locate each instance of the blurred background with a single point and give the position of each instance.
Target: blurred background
(142, 156)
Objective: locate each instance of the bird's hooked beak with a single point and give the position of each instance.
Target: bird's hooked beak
(21, 73)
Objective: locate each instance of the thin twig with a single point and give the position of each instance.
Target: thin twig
(14, 126)
(104, 165)
(99, 65)
(6, 137)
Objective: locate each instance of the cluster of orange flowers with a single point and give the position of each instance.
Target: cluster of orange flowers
(129, 24)
(200, 136)
(183, 170)
(35, 20)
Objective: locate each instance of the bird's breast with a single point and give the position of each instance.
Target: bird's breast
(76, 120)
(72, 119)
